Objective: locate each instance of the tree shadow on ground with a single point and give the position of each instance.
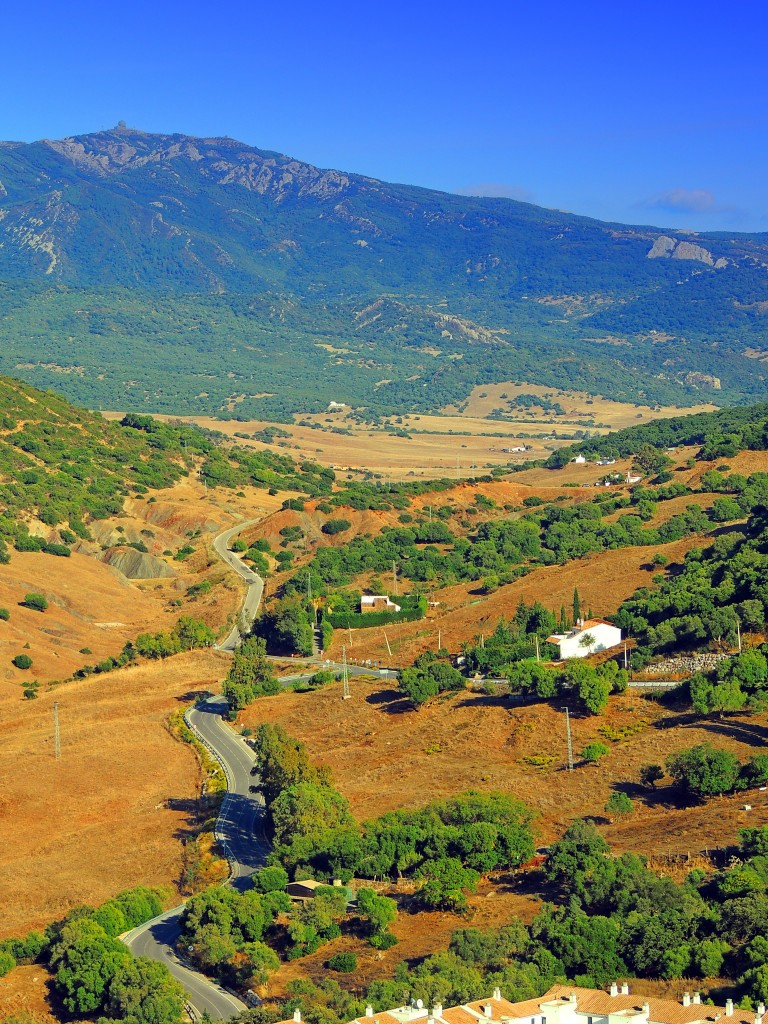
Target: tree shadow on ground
(193, 695)
(391, 702)
(194, 812)
(668, 797)
(745, 732)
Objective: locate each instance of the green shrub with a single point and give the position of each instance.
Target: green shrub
(4, 614)
(592, 752)
(35, 601)
(335, 526)
(22, 661)
(343, 963)
(619, 805)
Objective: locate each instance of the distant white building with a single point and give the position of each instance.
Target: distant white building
(579, 460)
(336, 406)
(377, 603)
(604, 635)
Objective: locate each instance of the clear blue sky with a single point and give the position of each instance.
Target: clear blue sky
(643, 112)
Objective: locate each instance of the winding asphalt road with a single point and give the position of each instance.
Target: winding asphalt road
(239, 826)
(254, 581)
(240, 832)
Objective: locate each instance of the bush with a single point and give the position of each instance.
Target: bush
(7, 962)
(592, 752)
(22, 661)
(383, 940)
(343, 962)
(705, 770)
(619, 805)
(4, 614)
(333, 526)
(35, 601)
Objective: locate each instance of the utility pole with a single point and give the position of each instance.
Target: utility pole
(394, 578)
(625, 654)
(345, 674)
(56, 735)
(538, 656)
(386, 640)
(439, 639)
(738, 632)
(570, 741)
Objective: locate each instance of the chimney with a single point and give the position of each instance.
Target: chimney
(761, 1009)
(437, 1010)
(728, 1007)
(488, 1011)
(297, 1016)
(646, 1010)
(369, 1010)
(497, 994)
(572, 998)
(686, 999)
(614, 989)
(337, 882)
(625, 989)
(696, 998)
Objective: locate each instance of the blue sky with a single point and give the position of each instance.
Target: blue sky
(645, 113)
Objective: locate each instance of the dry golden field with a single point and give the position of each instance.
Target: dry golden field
(113, 810)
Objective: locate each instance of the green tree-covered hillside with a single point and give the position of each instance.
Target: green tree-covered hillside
(182, 271)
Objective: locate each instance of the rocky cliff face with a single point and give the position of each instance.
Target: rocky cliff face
(673, 248)
(222, 161)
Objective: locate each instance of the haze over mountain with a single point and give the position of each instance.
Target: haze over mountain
(185, 274)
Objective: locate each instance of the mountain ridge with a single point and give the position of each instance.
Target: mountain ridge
(273, 252)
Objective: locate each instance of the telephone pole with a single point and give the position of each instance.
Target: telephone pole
(56, 735)
(394, 578)
(570, 741)
(345, 674)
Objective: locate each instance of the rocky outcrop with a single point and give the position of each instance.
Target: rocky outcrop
(224, 161)
(137, 565)
(663, 246)
(672, 248)
(696, 379)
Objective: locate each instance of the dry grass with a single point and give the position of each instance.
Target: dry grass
(578, 405)
(90, 605)
(25, 993)
(113, 811)
(385, 756)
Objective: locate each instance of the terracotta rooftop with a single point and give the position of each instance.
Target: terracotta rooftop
(588, 1003)
(597, 1003)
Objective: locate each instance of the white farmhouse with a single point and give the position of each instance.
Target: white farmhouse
(576, 644)
(579, 460)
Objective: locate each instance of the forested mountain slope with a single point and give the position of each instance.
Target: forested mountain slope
(185, 272)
